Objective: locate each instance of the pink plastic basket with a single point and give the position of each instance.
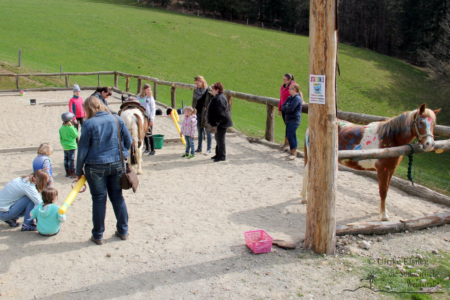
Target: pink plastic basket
(258, 241)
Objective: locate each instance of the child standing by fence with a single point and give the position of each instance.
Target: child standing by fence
(188, 129)
(47, 216)
(68, 137)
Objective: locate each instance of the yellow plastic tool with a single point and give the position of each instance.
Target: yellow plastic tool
(176, 119)
(62, 210)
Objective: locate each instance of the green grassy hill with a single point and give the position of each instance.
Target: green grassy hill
(94, 35)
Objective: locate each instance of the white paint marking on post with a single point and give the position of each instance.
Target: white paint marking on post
(317, 89)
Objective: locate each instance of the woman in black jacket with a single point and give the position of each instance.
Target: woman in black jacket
(219, 115)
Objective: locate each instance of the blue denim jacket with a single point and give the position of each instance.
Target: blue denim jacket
(99, 143)
(292, 109)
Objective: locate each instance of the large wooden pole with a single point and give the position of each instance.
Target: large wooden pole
(173, 97)
(320, 233)
(270, 123)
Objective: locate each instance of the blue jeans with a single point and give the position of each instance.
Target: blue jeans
(201, 132)
(103, 180)
(22, 208)
(69, 159)
(190, 144)
(291, 132)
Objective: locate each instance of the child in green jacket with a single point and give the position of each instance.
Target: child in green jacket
(68, 137)
(48, 219)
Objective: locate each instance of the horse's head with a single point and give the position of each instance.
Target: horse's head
(423, 126)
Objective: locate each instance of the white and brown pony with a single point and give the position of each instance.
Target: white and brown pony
(136, 122)
(398, 131)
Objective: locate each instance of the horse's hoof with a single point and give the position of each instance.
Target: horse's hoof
(385, 218)
(139, 173)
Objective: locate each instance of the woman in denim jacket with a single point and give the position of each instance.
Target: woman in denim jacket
(98, 151)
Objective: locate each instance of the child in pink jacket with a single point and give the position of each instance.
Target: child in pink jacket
(76, 107)
(188, 129)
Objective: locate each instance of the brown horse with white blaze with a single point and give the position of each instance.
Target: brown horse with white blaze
(394, 132)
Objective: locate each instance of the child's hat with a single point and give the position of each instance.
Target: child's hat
(67, 116)
(76, 88)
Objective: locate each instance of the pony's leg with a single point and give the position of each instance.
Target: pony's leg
(305, 185)
(139, 158)
(383, 186)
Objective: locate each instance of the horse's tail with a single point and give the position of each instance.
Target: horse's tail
(140, 129)
(131, 122)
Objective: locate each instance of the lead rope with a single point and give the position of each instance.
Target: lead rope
(410, 163)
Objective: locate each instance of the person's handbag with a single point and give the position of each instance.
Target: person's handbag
(129, 177)
(212, 129)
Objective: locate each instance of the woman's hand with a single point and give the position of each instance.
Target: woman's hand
(279, 112)
(151, 123)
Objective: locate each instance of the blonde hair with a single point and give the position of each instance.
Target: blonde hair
(296, 86)
(146, 86)
(40, 177)
(45, 149)
(49, 195)
(202, 80)
(93, 105)
(192, 110)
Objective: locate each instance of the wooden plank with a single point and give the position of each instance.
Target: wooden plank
(48, 104)
(356, 155)
(270, 123)
(172, 97)
(127, 84)
(20, 149)
(67, 80)
(320, 235)
(155, 90)
(47, 89)
(116, 80)
(230, 103)
(252, 98)
(17, 83)
(99, 80)
(59, 74)
(139, 86)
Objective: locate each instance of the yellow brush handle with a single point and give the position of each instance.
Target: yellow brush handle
(62, 210)
(173, 114)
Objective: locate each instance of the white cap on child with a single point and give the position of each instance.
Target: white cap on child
(76, 88)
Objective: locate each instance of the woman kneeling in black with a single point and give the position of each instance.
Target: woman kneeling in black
(219, 115)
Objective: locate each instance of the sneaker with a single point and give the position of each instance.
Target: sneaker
(198, 151)
(185, 155)
(191, 156)
(12, 223)
(146, 151)
(31, 227)
(208, 151)
(290, 157)
(98, 242)
(152, 153)
(122, 237)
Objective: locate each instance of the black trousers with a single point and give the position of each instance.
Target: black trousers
(221, 151)
(80, 122)
(149, 141)
(283, 115)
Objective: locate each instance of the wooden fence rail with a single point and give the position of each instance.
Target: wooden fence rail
(271, 103)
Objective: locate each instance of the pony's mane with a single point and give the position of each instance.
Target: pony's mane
(401, 124)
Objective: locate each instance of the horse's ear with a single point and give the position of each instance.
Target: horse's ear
(437, 111)
(422, 108)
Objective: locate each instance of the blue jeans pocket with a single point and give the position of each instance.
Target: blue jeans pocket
(97, 174)
(119, 171)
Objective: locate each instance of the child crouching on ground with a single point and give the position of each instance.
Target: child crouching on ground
(68, 137)
(47, 216)
(188, 128)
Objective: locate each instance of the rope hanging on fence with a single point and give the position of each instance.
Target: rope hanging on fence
(410, 163)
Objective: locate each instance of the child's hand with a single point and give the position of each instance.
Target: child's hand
(181, 135)
(75, 121)
(192, 137)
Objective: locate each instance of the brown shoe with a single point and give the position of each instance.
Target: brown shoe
(293, 154)
(72, 174)
(98, 242)
(122, 237)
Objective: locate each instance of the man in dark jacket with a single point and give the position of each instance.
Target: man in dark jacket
(218, 115)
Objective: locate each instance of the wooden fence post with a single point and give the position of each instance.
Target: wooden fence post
(67, 81)
(17, 82)
(60, 71)
(98, 80)
(20, 58)
(270, 123)
(230, 103)
(127, 89)
(155, 90)
(116, 80)
(139, 86)
(320, 235)
(172, 97)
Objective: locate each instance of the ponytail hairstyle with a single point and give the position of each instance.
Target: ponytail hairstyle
(289, 76)
(144, 87)
(296, 87)
(192, 110)
(104, 89)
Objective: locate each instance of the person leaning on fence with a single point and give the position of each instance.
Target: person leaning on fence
(146, 100)
(292, 109)
(98, 152)
(103, 93)
(43, 161)
(19, 197)
(218, 115)
(288, 79)
(200, 101)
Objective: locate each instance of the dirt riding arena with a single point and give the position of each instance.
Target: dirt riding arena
(186, 224)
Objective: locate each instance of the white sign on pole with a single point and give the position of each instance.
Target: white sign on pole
(317, 89)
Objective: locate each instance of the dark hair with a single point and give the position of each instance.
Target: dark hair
(49, 195)
(104, 89)
(218, 86)
(289, 76)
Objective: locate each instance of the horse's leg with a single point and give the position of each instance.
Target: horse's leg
(139, 158)
(305, 177)
(383, 186)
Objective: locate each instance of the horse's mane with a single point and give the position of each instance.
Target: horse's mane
(401, 124)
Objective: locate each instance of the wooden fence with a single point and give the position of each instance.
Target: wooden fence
(271, 103)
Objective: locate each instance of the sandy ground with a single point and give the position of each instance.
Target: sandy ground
(186, 224)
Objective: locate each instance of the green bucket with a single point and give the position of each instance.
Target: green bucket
(159, 140)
